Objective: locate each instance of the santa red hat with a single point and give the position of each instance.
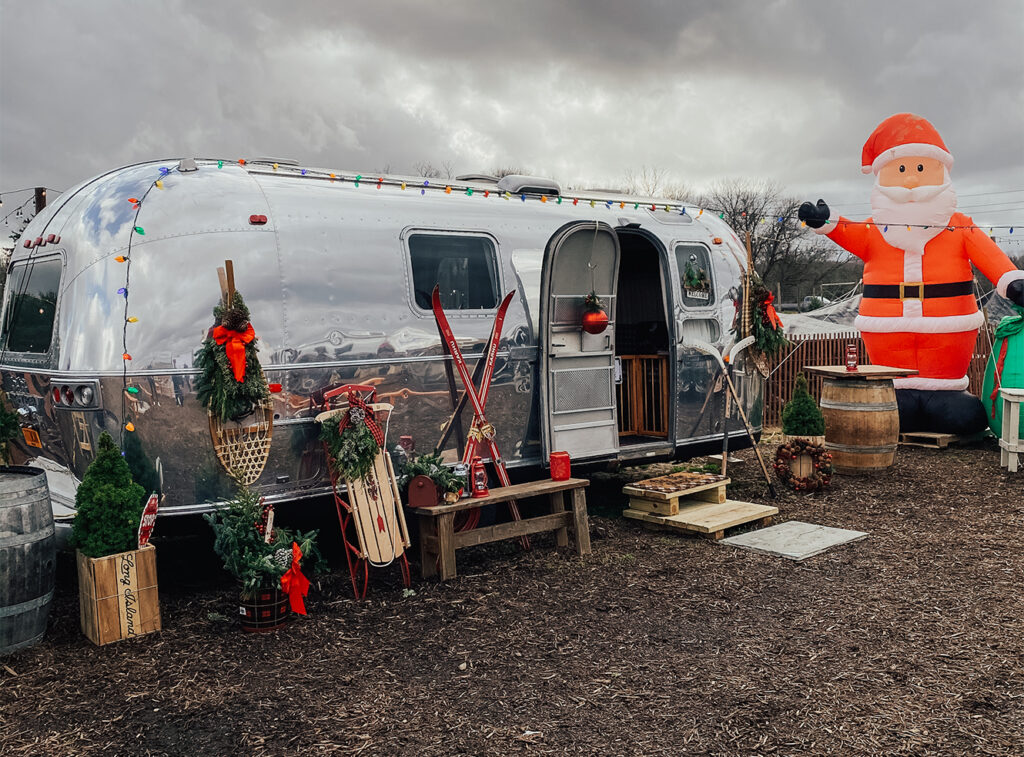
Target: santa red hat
(903, 135)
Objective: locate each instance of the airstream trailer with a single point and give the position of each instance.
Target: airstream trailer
(337, 271)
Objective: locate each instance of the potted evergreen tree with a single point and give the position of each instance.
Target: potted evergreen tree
(801, 461)
(117, 585)
(801, 417)
(264, 558)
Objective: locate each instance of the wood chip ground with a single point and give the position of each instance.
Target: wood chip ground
(910, 642)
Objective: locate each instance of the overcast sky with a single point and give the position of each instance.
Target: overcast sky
(580, 90)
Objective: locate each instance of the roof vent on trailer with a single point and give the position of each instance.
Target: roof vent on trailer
(536, 185)
(187, 165)
(485, 178)
(272, 161)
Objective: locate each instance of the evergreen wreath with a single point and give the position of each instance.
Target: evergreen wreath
(216, 387)
(695, 277)
(819, 479)
(352, 448)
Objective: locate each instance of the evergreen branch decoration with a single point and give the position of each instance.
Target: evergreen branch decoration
(239, 540)
(216, 387)
(352, 449)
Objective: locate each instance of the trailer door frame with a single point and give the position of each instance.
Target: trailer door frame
(577, 382)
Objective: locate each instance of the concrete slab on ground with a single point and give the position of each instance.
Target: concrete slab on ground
(794, 539)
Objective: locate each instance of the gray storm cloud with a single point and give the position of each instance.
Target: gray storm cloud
(579, 90)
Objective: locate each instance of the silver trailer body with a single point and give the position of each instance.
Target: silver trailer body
(337, 280)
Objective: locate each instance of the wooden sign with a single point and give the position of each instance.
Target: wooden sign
(148, 519)
(118, 596)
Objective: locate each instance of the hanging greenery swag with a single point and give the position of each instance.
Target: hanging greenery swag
(231, 382)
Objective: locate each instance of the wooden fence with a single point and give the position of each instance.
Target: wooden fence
(815, 349)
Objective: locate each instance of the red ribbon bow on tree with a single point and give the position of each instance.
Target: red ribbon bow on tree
(769, 312)
(234, 345)
(294, 584)
(355, 402)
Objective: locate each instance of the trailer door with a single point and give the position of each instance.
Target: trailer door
(578, 413)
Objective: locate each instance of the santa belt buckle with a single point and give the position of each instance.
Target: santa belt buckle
(917, 287)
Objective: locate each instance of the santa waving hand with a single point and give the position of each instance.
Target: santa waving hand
(918, 310)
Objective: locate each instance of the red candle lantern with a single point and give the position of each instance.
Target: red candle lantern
(479, 475)
(560, 469)
(851, 356)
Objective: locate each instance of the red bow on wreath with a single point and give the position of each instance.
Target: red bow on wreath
(234, 345)
(294, 584)
(362, 413)
(769, 312)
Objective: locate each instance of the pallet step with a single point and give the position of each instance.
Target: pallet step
(929, 439)
(668, 495)
(710, 520)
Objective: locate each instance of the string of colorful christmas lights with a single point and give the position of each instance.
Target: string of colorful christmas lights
(127, 424)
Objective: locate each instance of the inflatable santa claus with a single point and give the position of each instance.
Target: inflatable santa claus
(918, 310)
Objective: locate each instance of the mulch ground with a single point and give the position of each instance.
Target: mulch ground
(908, 642)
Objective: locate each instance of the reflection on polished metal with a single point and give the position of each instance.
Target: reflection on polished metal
(332, 291)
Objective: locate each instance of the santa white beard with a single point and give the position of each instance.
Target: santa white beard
(921, 207)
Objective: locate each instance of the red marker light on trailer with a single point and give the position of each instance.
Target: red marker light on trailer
(56, 395)
(39, 241)
(256, 220)
(50, 238)
(69, 395)
(274, 388)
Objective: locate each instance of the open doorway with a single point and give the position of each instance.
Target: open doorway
(641, 343)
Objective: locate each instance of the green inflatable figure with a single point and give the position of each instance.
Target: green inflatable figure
(1005, 368)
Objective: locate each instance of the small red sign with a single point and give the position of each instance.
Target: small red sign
(148, 519)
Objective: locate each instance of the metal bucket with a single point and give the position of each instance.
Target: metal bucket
(28, 555)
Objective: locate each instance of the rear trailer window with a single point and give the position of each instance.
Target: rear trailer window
(463, 267)
(31, 306)
(695, 275)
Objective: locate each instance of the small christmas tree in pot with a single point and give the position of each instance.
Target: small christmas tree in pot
(117, 584)
(265, 559)
(801, 460)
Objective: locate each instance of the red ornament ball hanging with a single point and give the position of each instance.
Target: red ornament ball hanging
(595, 321)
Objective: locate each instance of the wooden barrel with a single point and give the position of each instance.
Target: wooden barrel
(27, 557)
(862, 423)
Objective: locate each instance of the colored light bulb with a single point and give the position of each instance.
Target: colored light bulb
(120, 258)
(140, 231)
(133, 319)
(132, 390)
(159, 184)
(129, 426)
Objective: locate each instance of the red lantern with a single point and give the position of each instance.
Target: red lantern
(560, 469)
(478, 474)
(595, 321)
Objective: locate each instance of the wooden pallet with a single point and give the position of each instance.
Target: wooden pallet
(929, 439)
(667, 495)
(710, 520)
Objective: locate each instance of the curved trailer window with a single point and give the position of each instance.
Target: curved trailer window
(31, 305)
(464, 267)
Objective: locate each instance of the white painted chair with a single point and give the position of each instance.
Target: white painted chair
(1010, 444)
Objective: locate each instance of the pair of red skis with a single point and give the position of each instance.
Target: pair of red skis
(481, 432)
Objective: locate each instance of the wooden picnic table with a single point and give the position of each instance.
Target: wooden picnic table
(439, 540)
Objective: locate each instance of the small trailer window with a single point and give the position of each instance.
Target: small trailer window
(31, 306)
(695, 277)
(464, 267)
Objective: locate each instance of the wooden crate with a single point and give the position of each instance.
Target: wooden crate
(667, 495)
(117, 595)
(710, 520)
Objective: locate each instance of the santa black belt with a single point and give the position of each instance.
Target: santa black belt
(913, 291)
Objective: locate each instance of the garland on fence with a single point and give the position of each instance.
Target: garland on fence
(820, 478)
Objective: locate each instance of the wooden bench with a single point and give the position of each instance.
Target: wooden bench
(439, 540)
